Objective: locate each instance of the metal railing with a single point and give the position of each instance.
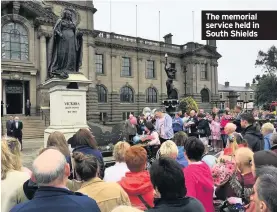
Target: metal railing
(44, 116)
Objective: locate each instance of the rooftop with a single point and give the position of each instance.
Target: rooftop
(228, 88)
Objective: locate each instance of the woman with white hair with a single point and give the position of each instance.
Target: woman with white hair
(116, 172)
(168, 149)
(267, 131)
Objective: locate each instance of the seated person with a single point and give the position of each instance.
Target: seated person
(151, 135)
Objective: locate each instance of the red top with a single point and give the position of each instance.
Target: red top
(199, 183)
(229, 151)
(136, 184)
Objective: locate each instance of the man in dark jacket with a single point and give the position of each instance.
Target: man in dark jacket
(17, 127)
(168, 177)
(237, 119)
(9, 125)
(250, 132)
(50, 172)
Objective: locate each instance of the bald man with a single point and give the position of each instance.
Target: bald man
(50, 172)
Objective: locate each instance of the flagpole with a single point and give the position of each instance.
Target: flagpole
(193, 26)
(159, 26)
(110, 15)
(136, 20)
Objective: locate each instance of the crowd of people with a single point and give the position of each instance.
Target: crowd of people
(167, 166)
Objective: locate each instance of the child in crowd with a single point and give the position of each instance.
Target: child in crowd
(215, 128)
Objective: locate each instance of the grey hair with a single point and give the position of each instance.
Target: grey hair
(44, 178)
(267, 186)
(159, 110)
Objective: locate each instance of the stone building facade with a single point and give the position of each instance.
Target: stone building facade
(127, 72)
(243, 95)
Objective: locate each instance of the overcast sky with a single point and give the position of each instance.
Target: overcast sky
(238, 57)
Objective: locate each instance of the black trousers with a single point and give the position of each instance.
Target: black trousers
(19, 138)
(163, 140)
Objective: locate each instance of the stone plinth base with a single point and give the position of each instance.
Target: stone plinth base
(67, 104)
(171, 105)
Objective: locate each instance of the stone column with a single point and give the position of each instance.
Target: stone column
(92, 96)
(233, 96)
(4, 97)
(33, 96)
(43, 59)
(212, 78)
(216, 78)
(23, 99)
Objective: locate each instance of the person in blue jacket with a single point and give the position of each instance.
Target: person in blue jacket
(177, 123)
(180, 139)
(50, 172)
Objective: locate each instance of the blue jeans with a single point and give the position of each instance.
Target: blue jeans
(224, 139)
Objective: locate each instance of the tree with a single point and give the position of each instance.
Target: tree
(268, 60)
(187, 104)
(266, 85)
(266, 89)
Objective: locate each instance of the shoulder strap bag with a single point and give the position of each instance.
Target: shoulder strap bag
(144, 202)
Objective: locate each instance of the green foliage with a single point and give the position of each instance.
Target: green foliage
(266, 85)
(187, 104)
(268, 60)
(266, 89)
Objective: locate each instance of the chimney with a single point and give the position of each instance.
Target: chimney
(227, 84)
(247, 85)
(168, 38)
(211, 43)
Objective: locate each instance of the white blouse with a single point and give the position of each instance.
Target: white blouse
(116, 172)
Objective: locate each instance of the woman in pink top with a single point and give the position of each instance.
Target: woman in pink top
(215, 128)
(199, 181)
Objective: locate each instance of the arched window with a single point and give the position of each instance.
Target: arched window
(126, 94)
(15, 42)
(151, 95)
(205, 95)
(102, 93)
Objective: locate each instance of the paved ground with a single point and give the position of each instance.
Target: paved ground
(30, 151)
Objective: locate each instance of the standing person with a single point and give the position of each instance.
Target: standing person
(225, 119)
(191, 124)
(168, 180)
(163, 126)
(17, 127)
(28, 108)
(199, 180)
(238, 111)
(86, 143)
(177, 123)
(136, 183)
(250, 132)
(203, 130)
(130, 128)
(108, 195)
(216, 141)
(267, 131)
(9, 125)
(52, 194)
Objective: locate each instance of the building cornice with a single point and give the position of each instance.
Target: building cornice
(76, 6)
(135, 49)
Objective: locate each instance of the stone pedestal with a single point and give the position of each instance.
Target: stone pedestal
(233, 97)
(171, 105)
(67, 104)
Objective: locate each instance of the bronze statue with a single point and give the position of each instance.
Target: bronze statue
(65, 48)
(170, 72)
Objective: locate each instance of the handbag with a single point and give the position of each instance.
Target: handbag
(228, 207)
(144, 202)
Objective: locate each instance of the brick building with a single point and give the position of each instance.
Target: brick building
(128, 72)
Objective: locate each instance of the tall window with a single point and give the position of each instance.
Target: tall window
(126, 67)
(205, 95)
(15, 42)
(99, 63)
(221, 95)
(126, 94)
(204, 71)
(173, 65)
(150, 71)
(251, 96)
(102, 93)
(151, 95)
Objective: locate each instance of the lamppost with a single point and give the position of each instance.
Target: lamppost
(185, 72)
(246, 100)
